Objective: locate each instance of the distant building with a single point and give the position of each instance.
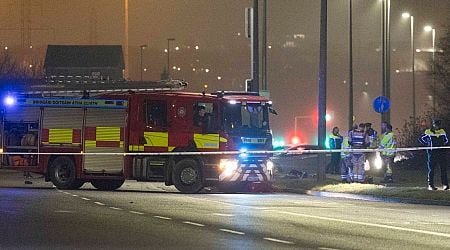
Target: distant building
(95, 62)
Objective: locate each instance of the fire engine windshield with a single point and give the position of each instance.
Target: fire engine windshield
(252, 117)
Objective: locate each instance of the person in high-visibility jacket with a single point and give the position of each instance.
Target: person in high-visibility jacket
(357, 138)
(388, 143)
(335, 142)
(436, 137)
(346, 162)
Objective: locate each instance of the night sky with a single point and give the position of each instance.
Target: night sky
(217, 28)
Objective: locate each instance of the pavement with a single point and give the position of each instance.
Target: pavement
(10, 178)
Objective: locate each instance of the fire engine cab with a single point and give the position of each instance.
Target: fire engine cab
(146, 132)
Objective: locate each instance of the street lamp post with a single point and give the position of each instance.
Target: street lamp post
(142, 49)
(413, 67)
(386, 54)
(168, 56)
(433, 38)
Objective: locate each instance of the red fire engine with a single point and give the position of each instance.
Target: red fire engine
(155, 133)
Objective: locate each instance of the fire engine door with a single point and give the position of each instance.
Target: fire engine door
(104, 132)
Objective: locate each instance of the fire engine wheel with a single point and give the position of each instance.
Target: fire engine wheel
(63, 175)
(187, 176)
(107, 185)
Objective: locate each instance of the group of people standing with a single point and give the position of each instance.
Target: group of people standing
(350, 164)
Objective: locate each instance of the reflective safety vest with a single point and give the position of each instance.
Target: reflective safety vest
(373, 139)
(357, 139)
(434, 138)
(345, 145)
(388, 142)
(335, 141)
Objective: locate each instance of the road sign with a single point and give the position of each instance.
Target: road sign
(381, 104)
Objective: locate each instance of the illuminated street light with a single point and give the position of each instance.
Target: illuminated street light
(178, 68)
(418, 50)
(406, 15)
(219, 78)
(196, 47)
(206, 70)
(177, 48)
(174, 67)
(428, 28)
(6, 47)
(142, 49)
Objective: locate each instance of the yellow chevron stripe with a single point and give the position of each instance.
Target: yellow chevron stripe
(60, 135)
(107, 133)
(89, 143)
(206, 140)
(156, 139)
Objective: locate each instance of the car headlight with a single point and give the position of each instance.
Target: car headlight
(378, 162)
(366, 165)
(228, 166)
(269, 165)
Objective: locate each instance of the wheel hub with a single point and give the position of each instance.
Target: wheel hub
(188, 176)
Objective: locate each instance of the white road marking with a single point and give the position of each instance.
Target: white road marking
(74, 195)
(193, 223)
(116, 208)
(63, 211)
(279, 241)
(134, 212)
(231, 231)
(162, 217)
(225, 215)
(327, 248)
(99, 203)
(367, 224)
(66, 193)
(86, 199)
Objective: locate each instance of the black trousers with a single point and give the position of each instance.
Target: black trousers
(437, 158)
(335, 164)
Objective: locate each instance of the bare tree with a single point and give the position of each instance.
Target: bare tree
(11, 69)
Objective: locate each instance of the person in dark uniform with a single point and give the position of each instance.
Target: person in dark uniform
(436, 137)
(200, 118)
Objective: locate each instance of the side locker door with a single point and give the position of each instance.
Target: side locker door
(62, 126)
(104, 132)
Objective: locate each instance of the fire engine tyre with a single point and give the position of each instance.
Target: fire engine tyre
(63, 175)
(187, 176)
(107, 185)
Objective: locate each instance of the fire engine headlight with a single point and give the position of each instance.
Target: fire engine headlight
(378, 163)
(228, 166)
(269, 165)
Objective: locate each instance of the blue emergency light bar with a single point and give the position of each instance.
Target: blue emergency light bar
(66, 102)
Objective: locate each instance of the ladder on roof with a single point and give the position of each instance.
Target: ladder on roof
(89, 86)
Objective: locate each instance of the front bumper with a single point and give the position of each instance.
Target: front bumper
(248, 171)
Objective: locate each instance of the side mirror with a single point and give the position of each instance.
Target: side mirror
(273, 111)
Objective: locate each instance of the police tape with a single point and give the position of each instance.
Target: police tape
(241, 153)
